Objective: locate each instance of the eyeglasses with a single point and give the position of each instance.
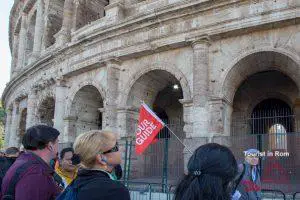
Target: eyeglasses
(114, 149)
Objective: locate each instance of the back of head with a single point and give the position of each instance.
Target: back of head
(89, 144)
(12, 152)
(37, 137)
(211, 171)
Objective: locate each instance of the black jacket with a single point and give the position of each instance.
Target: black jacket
(96, 185)
(5, 163)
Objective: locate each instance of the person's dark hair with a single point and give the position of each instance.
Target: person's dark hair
(211, 171)
(37, 137)
(64, 151)
(11, 150)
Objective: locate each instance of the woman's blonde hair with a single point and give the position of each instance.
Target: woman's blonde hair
(89, 144)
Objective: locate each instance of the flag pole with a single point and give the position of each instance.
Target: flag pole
(178, 138)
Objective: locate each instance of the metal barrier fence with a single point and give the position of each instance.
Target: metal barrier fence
(273, 194)
(296, 196)
(153, 191)
(164, 161)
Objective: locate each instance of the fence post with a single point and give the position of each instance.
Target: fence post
(150, 189)
(129, 160)
(165, 166)
(125, 163)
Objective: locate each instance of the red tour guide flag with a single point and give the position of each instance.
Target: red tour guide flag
(148, 127)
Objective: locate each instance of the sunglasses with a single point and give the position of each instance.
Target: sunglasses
(114, 149)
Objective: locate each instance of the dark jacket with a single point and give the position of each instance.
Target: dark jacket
(5, 163)
(36, 182)
(250, 189)
(95, 185)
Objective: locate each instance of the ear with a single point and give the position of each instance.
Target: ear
(49, 146)
(101, 159)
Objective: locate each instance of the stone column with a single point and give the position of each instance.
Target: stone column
(13, 140)
(31, 118)
(22, 43)
(113, 75)
(114, 11)
(39, 30)
(60, 100)
(200, 71)
(8, 126)
(200, 47)
(64, 35)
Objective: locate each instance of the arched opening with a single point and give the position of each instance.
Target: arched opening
(86, 109)
(273, 117)
(161, 91)
(54, 21)
(30, 37)
(22, 124)
(277, 137)
(88, 11)
(263, 88)
(46, 111)
(259, 101)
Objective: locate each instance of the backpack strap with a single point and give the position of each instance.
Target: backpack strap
(10, 193)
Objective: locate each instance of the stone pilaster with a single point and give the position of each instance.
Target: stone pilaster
(60, 100)
(13, 139)
(64, 35)
(114, 11)
(127, 118)
(187, 116)
(8, 126)
(39, 30)
(200, 47)
(31, 118)
(22, 43)
(200, 70)
(113, 75)
(220, 112)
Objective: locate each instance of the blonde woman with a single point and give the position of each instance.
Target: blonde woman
(99, 154)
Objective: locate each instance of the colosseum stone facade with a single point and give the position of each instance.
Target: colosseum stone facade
(204, 65)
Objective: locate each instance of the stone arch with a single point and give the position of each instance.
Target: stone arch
(173, 70)
(156, 87)
(85, 110)
(74, 89)
(275, 95)
(87, 11)
(269, 58)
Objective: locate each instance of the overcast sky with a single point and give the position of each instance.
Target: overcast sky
(5, 7)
